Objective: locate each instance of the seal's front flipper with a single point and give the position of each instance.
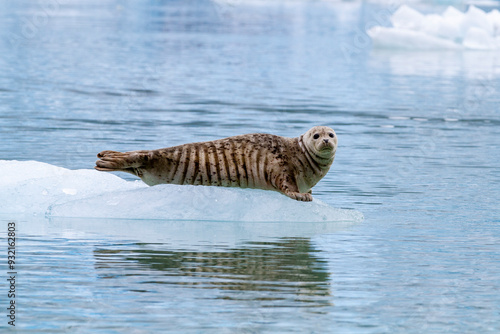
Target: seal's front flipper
(304, 197)
(290, 189)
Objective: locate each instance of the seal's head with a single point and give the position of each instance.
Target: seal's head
(321, 143)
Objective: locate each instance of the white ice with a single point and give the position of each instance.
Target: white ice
(452, 30)
(36, 188)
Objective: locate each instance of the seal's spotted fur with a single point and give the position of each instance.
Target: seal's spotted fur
(291, 166)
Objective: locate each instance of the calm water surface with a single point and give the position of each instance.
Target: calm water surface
(419, 137)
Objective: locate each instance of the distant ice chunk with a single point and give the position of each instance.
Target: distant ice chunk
(36, 188)
(453, 30)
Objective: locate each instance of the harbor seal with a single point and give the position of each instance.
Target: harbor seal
(291, 166)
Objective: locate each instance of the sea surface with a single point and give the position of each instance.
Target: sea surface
(418, 156)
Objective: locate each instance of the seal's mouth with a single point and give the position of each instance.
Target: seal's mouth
(326, 151)
(325, 147)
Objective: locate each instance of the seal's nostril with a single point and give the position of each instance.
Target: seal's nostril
(325, 140)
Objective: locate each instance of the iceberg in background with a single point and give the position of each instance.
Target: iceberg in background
(36, 188)
(453, 30)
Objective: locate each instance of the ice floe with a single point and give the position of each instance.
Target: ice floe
(452, 30)
(36, 188)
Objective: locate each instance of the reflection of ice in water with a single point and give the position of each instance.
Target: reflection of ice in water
(472, 65)
(37, 188)
(453, 30)
(472, 100)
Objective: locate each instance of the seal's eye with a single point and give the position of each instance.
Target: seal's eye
(316, 136)
(332, 135)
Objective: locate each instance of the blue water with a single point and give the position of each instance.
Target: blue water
(419, 137)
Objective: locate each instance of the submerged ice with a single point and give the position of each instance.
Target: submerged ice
(36, 188)
(452, 30)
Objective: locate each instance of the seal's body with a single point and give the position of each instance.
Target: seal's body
(291, 166)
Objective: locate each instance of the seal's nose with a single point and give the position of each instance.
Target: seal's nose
(325, 140)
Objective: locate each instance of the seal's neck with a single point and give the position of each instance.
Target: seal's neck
(313, 158)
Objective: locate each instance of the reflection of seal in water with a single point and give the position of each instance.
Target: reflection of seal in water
(291, 166)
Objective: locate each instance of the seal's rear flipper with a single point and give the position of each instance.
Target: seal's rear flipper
(113, 161)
